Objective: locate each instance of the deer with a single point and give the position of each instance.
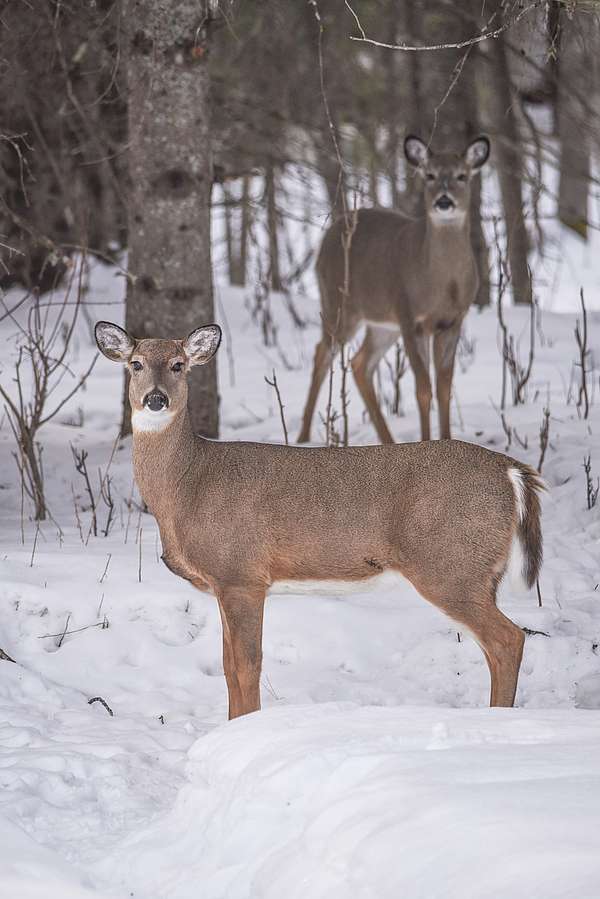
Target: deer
(402, 276)
(243, 520)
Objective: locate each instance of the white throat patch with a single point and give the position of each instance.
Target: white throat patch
(448, 216)
(148, 421)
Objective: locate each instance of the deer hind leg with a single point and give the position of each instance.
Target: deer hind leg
(375, 345)
(417, 350)
(444, 352)
(501, 641)
(475, 607)
(242, 618)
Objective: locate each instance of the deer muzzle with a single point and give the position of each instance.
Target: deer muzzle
(444, 203)
(156, 401)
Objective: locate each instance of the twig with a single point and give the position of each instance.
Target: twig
(581, 338)
(275, 385)
(76, 630)
(591, 491)
(544, 435)
(447, 45)
(102, 702)
(105, 568)
(61, 637)
(79, 457)
(37, 530)
(532, 633)
(77, 518)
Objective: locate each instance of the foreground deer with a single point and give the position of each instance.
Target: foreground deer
(242, 520)
(402, 277)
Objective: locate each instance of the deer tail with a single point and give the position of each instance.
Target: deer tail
(526, 553)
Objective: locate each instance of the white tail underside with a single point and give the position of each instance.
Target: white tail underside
(516, 560)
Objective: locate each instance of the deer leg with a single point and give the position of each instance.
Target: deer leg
(376, 343)
(502, 644)
(417, 350)
(242, 616)
(475, 607)
(233, 686)
(324, 353)
(444, 351)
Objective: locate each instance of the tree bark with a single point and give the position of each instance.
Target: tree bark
(509, 168)
(575, 65)
(170, 171)
(448, 103)
(273, 228)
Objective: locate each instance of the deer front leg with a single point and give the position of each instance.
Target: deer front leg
(444, 351)
(242, 610)
(417, 350)
(375, 345)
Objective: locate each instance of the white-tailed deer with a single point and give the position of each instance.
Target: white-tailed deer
(242, 520)
(414, 278)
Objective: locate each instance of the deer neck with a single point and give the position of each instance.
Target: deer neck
(447, 245)
(162, 458)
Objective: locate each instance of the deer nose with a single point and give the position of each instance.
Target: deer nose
(444, 202)
(156, 400)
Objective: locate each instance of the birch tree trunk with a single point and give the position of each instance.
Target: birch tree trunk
(170, 172)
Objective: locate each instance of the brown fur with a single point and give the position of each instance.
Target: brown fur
(414, 278)
(236, 517)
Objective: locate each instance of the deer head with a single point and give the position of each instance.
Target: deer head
(446, 176)
(158, 385)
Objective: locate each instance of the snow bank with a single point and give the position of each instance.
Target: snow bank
(332, 801)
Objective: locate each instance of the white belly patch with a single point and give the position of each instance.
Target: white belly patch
(387, 580)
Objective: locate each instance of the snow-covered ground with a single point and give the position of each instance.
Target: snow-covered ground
(375, 769)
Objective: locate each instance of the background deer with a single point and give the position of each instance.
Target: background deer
(242, 520)
(414, 278)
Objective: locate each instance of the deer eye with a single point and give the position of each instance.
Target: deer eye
(461, 177)
(177, 366)
(430, 176)
(137, 366)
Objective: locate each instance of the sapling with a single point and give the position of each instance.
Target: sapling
(591, 490)
(583, 400)
(43, 350)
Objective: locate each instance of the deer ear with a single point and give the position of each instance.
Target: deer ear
(417, 153)
(477, 153)
(202, 344)
(113, 342)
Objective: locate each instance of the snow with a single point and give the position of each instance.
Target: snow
(335, 800)
(375, 768)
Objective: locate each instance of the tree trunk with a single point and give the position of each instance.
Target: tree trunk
(509, 168)
(416, 124)
(448, 102)
(170, 172)
(273, 228)
(575, 67)
(244, 230)
(390, 61)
